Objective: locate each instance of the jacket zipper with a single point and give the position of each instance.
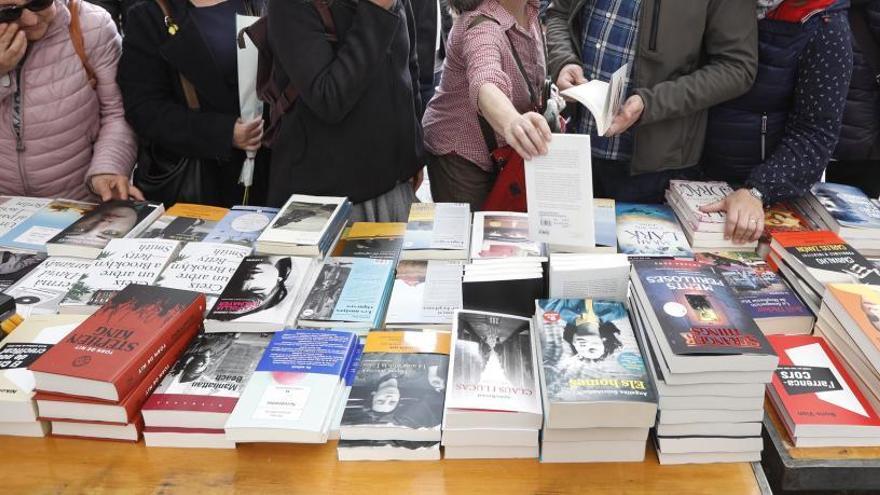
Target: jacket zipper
(18, 125)
(655, 26)
(763, 137)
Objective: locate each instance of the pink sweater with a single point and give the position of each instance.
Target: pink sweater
(69, 131)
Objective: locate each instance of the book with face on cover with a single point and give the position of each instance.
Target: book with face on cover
(86, 237)
(437, 231)
(650, 231)
(122, 262)
(33, 233)
(16, 209)
(242, 225)
(204, 267)
(43, 288)
(185, 222)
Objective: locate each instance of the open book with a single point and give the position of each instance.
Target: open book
(602, 99)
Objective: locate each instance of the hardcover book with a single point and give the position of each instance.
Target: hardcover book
(349, 291)
(650, 231)
(691, 195)
(122, 262)
(242, 225)
(203, 387)
(814, 395)
(86, 237)
(185, 222)
(109, 354)
(16, 209)
(261, 295)
(499, 234)
(398, 391)
(204, 267)
(593, 372)
(33, 233)
(41, 290)
(294, 389)
(18, 350)
(14, 266)
(425, 293)
(437, 231)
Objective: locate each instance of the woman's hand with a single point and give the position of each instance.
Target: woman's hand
(111, 186)
(528, 134)
(248, 136)
(745, 216)
(13, 44)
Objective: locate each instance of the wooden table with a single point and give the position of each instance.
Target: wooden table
(60, 466)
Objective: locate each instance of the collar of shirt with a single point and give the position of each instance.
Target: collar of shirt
(494, 10)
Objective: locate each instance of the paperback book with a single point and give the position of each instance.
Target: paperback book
(378, 240)
(14, 266)
(33, 233)
(349, 292)
(686, 197)
(185, 222)
(204, 267)
(86, 237)
(43, 288)
(242, 225)
(437, 231)
(16, 209)
(822, 257)
(503, 235)
(425, 294)
(650, 231)
(847, 209)
(305, 226)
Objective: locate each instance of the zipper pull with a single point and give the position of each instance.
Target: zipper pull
(763, 137)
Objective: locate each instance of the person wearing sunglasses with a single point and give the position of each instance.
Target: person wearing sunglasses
(62, 128)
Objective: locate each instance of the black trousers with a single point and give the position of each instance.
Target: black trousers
(611, 179)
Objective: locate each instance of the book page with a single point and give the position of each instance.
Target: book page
(559, 187)
(593, 95)
(616, 96)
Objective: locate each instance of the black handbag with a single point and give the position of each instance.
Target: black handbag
(173, 179)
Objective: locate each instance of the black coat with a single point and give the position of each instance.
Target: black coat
(860, 132)
(155, 105)
(354, 130)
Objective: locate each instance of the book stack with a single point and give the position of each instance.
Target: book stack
(589, 276)
(775, 308)
(650, 231)
(350, 374)
(121, 262)
(709, 360)
(599, 402)
(33, 233)
(395, 407)
(305, 226)
(782, 217)
(378, 240)
(189, 409)
(437, 231)
(35, 336)
(426, 294)
(848, 212)
(262, 295)
(850, 321)
(185, 222)
(705, 231)
(507, 286)
(817, 400)
(42, 289)
(295, 389)
(810, 260)
(493, 404)
(117, 219)
(349, 293)
(242, 225)
(93, 382)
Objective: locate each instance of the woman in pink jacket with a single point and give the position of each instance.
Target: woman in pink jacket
(59, 136)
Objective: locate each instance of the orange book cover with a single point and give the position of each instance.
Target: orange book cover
(862, 303)
(807, 239)
(204, 212)
(412, 341)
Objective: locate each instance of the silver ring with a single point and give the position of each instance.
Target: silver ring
(755, 221)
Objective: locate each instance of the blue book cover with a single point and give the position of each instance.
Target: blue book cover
(242, 225)
(848, 205)
(46, 223)
(761, 292)
(349, 290)
(650, 231)
(696, 310)
(605, 221)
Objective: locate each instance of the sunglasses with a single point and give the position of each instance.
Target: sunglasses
(9, 13)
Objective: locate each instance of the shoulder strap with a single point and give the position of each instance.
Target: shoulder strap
(79, 45)
(189, 91)
(867, 44)
(323, 8)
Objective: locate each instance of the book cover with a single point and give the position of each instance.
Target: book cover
(348, 290)
(694, 194)
(33, 233)
(303, 220)
(814, 388)
(379, 240)
(848, 205)
(14, 266)
(124, 339)
(426, 292)
(263, 289)
(650, 231)
(211, 374)
(204, 267)
(782, 217)
(697, 312)
(826, 256)
(41, 290)
(401, 381)
(122, 262)
(185, 222)
(759, 289)
(438, 226)
(16, 209)
(589, 352)
(242, 225)
(493, 364)
(860, 304)
(605, 218)
(111, 220)
(502, 235)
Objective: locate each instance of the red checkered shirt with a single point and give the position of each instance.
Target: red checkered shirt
(474, 57)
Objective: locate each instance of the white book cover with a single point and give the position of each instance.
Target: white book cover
(41, 291)
(438, 226)
(33, 233)
(123, 262)
(589, 276)
(602, 99)
(694, 194)
(425, 292)
(560, 199)
(503, 234)
(303, 220)
(16, 209)
(203, 267)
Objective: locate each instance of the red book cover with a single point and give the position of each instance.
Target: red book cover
(781, 217)
(814, 389)
(68, 429)
(120, 343)
(808, 238)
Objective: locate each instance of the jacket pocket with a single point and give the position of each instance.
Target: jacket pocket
(655, 25)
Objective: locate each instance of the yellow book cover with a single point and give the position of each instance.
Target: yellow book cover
(409, 341)
(204, 212)
(365, 230)
(421, 212)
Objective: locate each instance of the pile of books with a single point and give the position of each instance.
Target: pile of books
(589, 276)
(848, 212)
(705, 231)
(305, 226)
(93, 382)
(395, 407)
(709, 360)
(599, 402)
(493, 404)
